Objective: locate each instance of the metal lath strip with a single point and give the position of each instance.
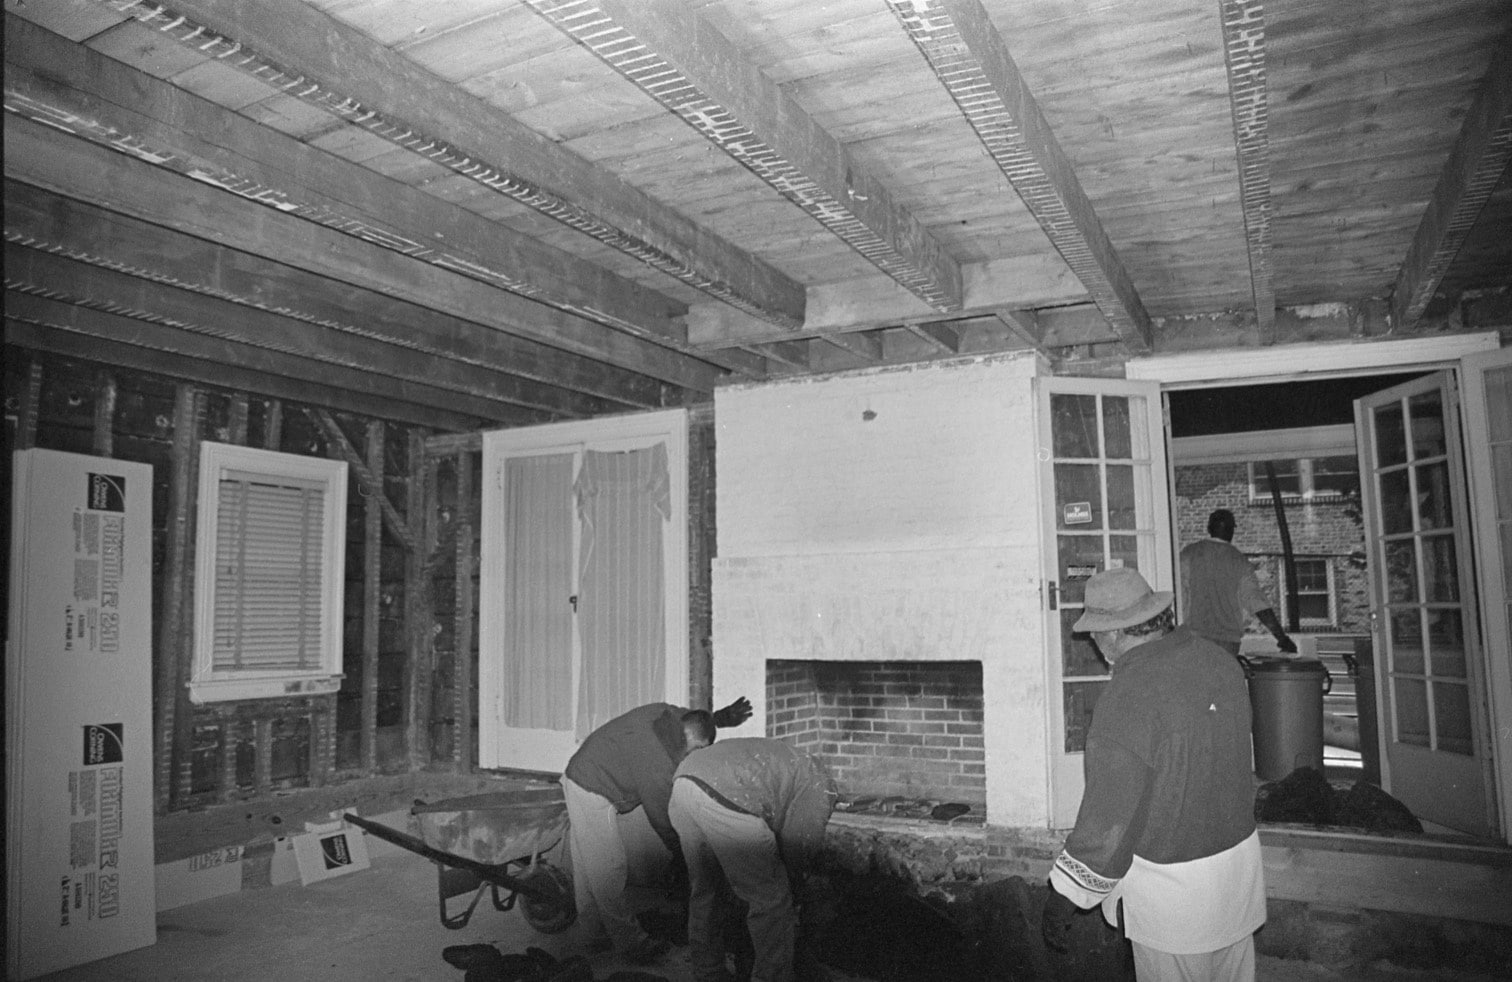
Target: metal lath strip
(935, 33)
(664, 82)
(231, 52)
(1244, 54)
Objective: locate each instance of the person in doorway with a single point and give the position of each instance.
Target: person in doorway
(750, 814)
(625, 764)
(1166, 831)
(1220, 591)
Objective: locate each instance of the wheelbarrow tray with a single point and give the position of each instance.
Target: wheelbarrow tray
(492, 841)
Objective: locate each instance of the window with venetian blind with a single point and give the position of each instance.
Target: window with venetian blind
(269, 572)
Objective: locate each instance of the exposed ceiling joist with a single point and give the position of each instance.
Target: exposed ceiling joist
(321, 61)
(477, 391)
(125, 342)
(54, 160)
(1244, 55)
(42, 220)
(971, 60)
(72, 87)
(1481, 153)
(683, 62)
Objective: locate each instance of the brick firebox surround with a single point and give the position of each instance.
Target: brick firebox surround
(911, 729)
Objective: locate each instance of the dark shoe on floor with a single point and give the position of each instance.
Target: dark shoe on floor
(465, 956)
(648, 951)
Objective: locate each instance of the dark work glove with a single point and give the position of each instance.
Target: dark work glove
(1286, 644)
(734, 714)
(1055, 922)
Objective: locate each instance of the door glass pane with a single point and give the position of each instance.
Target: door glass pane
(1499, 404)
(1116, 427)
(1080, 557)
(1080, 698)
(1391, 435)
(1446, 636)
(1501, 465)
(1440, 574)
(1427, 411)
(1401, 572)
(1451, 717)
(1123, 512)
(1411, 711)
(1434, 508)
(1073, 425)
(1078, 497)
(1079, 655)
(1124, 550)
(1396, 502)
(1407, 642)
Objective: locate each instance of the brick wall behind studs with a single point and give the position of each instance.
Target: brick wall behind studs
(885, 728)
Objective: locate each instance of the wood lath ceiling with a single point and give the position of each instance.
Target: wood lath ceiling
(496, 212)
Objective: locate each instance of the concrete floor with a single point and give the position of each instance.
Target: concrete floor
(381, 924)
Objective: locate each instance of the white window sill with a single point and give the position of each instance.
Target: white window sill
(228, 690)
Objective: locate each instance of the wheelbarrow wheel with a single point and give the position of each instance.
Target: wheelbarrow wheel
(555, 910)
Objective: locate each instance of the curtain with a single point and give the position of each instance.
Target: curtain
(538, 585)
(624, 501)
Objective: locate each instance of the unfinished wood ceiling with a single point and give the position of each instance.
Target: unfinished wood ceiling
(486, 212)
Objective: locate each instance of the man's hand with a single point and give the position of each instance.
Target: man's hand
(1055, 922)
(734, 714)
(1286, 644)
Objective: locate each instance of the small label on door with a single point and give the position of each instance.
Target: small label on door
(1076, 512)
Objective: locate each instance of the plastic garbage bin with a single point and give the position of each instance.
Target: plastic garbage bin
(1286, 704)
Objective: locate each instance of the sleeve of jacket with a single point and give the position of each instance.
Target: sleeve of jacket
(1100, 849)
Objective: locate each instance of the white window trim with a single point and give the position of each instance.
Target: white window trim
(1304, 481)
(1311, 624)
(207, 685)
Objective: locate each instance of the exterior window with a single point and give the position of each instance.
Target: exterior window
(1315, 604)
(1309, 478)
(268, 576)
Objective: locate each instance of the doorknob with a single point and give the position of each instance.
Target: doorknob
(573, 600)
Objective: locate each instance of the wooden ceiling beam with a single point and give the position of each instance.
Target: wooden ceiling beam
(1480, 154)
(67, 85)
(943, 337)
(311, 56)
(1244, 57)
(474, 389)
(683, 62)
(969, 57)
(124, 342)
(44, 220)
(52, 159)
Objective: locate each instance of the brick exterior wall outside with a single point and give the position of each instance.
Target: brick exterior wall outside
(1321, 529)
(885, 728)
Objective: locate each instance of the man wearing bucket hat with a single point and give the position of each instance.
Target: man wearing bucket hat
(1166, 828)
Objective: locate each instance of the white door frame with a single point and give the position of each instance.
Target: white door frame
(605, 433)
(1296, 362)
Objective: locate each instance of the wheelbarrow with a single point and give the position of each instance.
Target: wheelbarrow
(492, 842)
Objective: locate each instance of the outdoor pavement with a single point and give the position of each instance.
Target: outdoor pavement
(382, 924)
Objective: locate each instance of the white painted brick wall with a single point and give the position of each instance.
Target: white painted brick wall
(912, 534)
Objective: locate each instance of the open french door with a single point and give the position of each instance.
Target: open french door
(583, 583)
(1429, 667)
(1104, 484)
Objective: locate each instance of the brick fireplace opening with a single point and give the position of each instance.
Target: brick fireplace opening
(899, 736)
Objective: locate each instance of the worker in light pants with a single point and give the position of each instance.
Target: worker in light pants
(750, 814)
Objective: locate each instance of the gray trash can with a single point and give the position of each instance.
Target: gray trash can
(1286, 703)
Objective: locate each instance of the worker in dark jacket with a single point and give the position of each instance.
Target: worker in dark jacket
(626, 764)
(751, 813)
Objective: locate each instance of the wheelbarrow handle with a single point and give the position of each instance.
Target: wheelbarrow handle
(486, 871)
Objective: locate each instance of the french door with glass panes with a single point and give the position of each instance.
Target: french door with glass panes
(1104, 485)
(1423, 612)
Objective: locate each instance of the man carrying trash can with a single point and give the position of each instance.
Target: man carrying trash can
(1166, 830)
